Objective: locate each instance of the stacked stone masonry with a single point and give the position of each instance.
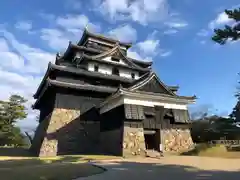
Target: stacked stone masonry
(55, 134)
(133, 141)
(176, 139)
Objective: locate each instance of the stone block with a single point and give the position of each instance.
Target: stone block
(57, 137)
(133, 141)
(176, 139)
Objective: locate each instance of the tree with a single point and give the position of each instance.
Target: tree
(229, 33)
(11, 111)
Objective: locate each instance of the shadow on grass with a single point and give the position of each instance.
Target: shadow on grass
(62, 168)
(199, 148)
(10, 163)
(15, 152)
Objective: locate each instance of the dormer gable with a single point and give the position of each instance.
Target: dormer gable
(151, 83)
(116, 55)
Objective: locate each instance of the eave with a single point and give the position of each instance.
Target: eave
(92, 50)
(42, 83)
(52, 67)
(149, 95)
(82, 87)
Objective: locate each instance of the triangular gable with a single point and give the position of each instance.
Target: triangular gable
(152, 84)
(116, 51)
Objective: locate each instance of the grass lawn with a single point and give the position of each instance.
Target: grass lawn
(212, 151)
(55, 168)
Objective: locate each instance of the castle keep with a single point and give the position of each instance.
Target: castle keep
(95, 99)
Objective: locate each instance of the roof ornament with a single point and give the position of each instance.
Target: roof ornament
(86, 28)
(58, 55)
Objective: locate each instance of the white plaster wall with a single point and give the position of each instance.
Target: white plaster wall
(128, 73)
(153, 103)
(90, 67)
(109, 59)
(78, 55)
(137, 101)
(101, 68)
(108, 70)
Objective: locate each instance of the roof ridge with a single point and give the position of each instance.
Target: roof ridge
(101, 36)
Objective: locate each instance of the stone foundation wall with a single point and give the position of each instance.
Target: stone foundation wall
(111, 142)
(133, 141)
(58, 137)
(87, 138)
(176, 139)
(39, 136)
(63, 132)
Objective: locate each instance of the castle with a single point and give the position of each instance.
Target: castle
(96, 99)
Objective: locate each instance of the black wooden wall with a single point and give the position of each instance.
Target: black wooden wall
(111, 128)
(47, 104)
(84, 101)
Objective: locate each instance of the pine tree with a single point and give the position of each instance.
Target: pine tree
(11, 111)
(229, 33)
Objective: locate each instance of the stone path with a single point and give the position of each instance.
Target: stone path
(169, 168)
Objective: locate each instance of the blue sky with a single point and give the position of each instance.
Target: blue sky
(174, 34)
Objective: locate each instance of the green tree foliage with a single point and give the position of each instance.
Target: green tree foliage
(11, 111)
(229, 32)
(214, 128)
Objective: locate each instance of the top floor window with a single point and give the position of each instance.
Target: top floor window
(96, 68)
(133, 75)
(115, 71)
(115, 59)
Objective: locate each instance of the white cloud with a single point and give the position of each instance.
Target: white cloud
(55, 38)
(136, 55)
(69, 28)
(24, 25)
(170, 31)
(114, 7)
(149, 46)
(142, 11)
(18, 63)
(76, 21)
(176, 24)
(166, 53)
(3, 45)
(203, 33)
(23, 85)
(203, 42)
(221, 19)
(124, 33)
(23, 58)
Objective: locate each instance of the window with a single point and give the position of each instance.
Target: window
(133, 75)
(96, 68)
(115, 71)
(115, 59)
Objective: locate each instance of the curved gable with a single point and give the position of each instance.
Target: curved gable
(116, 52)
(152, 84)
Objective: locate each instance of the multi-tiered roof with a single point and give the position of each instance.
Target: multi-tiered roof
(71, 70)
